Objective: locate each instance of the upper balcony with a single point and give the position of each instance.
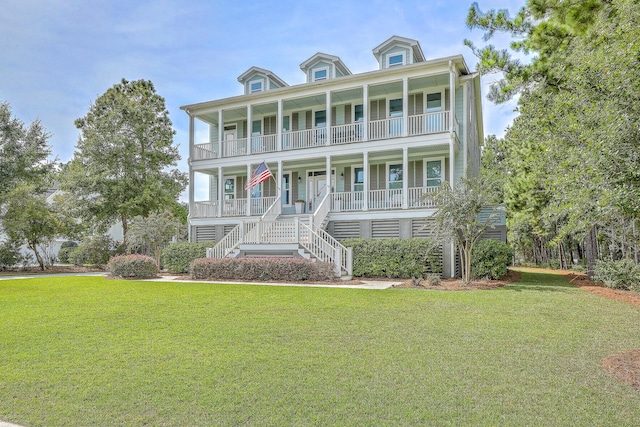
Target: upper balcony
(419, 124)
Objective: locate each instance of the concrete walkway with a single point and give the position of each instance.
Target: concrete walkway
(366, 284)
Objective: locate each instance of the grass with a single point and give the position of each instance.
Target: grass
(91, 351)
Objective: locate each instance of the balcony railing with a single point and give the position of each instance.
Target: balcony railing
(233, 207)
(205, 151)
(307, 138)
(422, 124)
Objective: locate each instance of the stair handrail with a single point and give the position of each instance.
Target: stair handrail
(228, 243)
(273, 211)
(326, 248)
(322, 210)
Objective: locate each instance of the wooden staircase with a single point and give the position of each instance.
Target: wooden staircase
(296, 237)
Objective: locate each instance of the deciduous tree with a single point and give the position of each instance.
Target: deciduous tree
(122, 164)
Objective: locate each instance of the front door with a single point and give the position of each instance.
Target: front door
(316, 188)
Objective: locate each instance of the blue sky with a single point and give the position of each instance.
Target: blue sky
(58, 56)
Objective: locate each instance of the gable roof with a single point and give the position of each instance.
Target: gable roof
(326, 57)
(242, 78)
(418, 55)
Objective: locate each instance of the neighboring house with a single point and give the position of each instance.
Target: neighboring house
(352, 154)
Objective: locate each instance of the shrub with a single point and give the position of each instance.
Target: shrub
(262, 269)
(138, 266)
(95, 250)
(490, 259)
(177, 257)
(433, 280)
(65, 250)
(10, 255)
(619, 274)
(395, 258)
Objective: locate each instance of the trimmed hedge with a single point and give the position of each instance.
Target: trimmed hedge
(137, 266)
(177, 257)
(261, 269)
(395, 258)
(490, 259)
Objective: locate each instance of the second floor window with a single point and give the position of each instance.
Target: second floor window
(358, 115)
(395, 176)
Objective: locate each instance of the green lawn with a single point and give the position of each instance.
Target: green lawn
(82, 351)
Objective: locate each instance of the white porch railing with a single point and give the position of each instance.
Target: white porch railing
(423, 124)
(260, 205)
(385, 199)
(344, 134)
(347, 201)
(204, 209)
(205, 151)
(294, 140)
(264, 143)
(387, 128)
(417, 199)
(234, 147)
(234, 207)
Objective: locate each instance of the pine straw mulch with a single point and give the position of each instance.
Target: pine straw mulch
(56, 269)
(457, 285)
(625, 365)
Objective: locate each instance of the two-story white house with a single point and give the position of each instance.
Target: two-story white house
(351, 154)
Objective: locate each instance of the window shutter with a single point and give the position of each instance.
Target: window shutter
(347, 114)
(333, 116)
(294, 122)
(347, 179)
(308, 120)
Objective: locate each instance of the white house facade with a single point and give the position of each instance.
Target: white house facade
(352, 155)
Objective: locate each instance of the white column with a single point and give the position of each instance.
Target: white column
(405, 178)
(220, 190)
(405, 106)
(191, 174)
(452, 98)
(249, 131)
(220, 133)
(249, 190)
(365, 184)
(328, 116)
(365, 113)
(465, 121)
(279, 183)
(328, 180)
(279, 128)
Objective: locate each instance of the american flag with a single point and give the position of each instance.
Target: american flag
(261, 174)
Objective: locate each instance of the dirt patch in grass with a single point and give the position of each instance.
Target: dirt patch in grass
(625, 367)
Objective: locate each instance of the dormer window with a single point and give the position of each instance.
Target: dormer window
(320, 74)
(256, 87)
(395, 60)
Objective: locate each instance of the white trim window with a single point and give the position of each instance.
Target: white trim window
(286, 188)
(394, 175)
(256, 86)
(320, 74)
(395, 59)
(357, 173)
(434, 101)
(229, 187)
(433, 172)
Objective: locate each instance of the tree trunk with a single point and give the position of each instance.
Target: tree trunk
(591, 249)
(125, 227)
(34, 248)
